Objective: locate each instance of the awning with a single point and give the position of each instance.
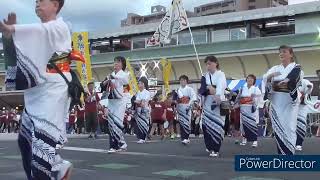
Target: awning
(11, 99)
(238, 84)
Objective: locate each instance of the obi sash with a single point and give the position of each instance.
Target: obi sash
(246, 100)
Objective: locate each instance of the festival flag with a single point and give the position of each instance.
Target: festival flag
(166, 70)
(81, 43)
(132, 79)
(174, 21)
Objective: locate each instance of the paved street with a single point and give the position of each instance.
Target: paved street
(156, 160)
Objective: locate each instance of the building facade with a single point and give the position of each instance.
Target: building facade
(157, 14)
(226, 6)
(245, 42)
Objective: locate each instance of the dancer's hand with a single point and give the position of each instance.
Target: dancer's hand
(275, 74)
(6, 26)
(272, 75)
(143, 103)
(212, 90)
(284, 82)
(217, 99)
(11, 20)
(7, 30)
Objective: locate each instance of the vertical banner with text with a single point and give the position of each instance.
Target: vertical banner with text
(166, 70)
(132, 80)
(81, 43)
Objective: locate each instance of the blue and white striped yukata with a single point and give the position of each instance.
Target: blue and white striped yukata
(142, 114)
(284, 108)
(248, 119)
(212, 121)
(46, 96)
(186, 97)
(116, 110)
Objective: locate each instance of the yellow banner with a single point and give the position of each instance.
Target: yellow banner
(81, 43)
(134, 88)
(166, 70)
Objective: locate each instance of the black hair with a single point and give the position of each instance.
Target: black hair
(122, 60)
(156, 97)
(144, 80)
(253, 77)
(290, 50)
(61, 3)
(90, 83)
(212, 59)
(184, 77)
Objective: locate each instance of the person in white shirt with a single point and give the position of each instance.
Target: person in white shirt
(115, 85)
(249, 98)
(186, 97)
(305, 89)
(284, 80)
(213, 85)
(42, 131)
(142, 113)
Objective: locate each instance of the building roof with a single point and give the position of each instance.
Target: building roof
(226, 48)
(280, 11)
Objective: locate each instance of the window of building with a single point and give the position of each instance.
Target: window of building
(225, 4)
(227, 11)
(252, 0)
(184, 38)
(199, 37)
(138, 43)
(238, 33)
(220, 35)
(252, 7)
(209, 7)
(173, 42)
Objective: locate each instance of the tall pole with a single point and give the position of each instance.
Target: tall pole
(195, 50)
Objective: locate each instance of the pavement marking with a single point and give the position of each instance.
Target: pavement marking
(165, 140)
(179, 173)
(84, 149)
(12, 157)
(115, 166)
(252, 178)
(75, 160)
(87, 170)
(148, 154)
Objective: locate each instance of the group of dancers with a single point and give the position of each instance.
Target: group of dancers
(39, 62)
(283, 85)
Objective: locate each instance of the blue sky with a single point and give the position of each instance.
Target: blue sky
(90, 15)
(93, 15)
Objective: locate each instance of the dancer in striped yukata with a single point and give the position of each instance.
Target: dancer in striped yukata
(305, 89)
(142, 114)
(249, 115)
(284, 80)
(186, 97)
(213, 85)
(34, 50)
(115, 85)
